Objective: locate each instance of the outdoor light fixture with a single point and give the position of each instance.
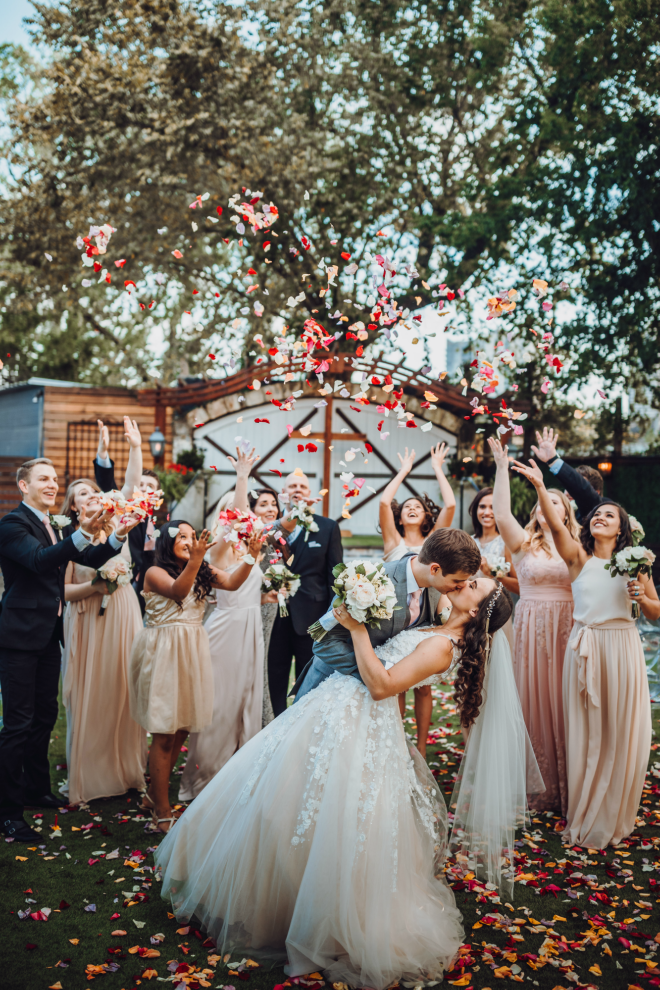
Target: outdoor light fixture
(605, 467)
(157, 444)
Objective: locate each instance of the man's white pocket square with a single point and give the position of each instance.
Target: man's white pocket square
(312, 543)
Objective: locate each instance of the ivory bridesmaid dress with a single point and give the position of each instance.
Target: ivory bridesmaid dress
(236, 643)
(544, 617)
(607, 710)
(106, 748)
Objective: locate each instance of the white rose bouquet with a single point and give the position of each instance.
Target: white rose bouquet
(499, 566)
(279, 578)
(366, 591)
(303, 513)
(631, 561)
(116, 574)
(638, 532)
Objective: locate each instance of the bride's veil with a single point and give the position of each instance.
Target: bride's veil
(497, 771)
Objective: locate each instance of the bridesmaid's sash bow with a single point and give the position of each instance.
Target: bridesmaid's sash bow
(583, 642)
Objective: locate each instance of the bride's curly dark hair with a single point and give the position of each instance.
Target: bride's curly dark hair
(472, 665)
(165, 557)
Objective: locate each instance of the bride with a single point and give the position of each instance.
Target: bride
(321, 842)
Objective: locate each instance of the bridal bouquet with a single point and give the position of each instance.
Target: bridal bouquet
(638, 532)
(632, 561)
(366, 591)
(304, 515)
(279, 578)
(499, 566)
(116, 574)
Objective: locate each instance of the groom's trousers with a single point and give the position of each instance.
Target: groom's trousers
(29, 681)
(285, 644)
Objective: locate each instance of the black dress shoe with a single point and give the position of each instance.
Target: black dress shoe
(18, 829)
(45, 801)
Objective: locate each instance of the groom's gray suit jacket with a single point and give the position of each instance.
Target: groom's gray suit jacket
(334, 653)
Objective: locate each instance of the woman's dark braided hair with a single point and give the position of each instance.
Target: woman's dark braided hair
(493, 612)
(164, 557)
(431, 513)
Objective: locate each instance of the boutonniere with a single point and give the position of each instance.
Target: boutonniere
(59, 523)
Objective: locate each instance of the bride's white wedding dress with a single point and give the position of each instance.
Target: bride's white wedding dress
(321, 842)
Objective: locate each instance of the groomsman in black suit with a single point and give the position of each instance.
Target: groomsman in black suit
(33, 561)
(141, 540)
(313, 560)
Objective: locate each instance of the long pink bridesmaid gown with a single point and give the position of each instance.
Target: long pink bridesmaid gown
(544, 617)
(106, 749)
(607, 710)
(236, 640)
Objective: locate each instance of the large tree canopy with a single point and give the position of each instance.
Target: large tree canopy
(483, 138)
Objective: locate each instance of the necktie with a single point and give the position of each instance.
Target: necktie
(414, 606)
(150, 539)
(51, 533)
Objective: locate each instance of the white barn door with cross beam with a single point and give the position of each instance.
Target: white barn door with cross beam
(347, 429)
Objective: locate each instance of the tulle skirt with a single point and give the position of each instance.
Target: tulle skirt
(321, 842)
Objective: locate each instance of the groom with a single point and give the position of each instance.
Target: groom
(445, 563)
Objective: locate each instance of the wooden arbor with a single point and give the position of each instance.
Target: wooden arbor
(343, 366)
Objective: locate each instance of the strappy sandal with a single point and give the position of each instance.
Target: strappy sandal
(156, 822)
(149, 805)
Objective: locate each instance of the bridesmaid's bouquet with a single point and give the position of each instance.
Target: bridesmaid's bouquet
(499, 566)
(632, 561)
(116, 574)
(305, 517)
(279, 578)
(638, 532)
(366, 591)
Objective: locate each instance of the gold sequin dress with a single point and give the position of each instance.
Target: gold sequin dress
(170, 675)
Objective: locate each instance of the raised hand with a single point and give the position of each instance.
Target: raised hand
(254, 544)
(407, 461)
(198, 547)
(245, 462)
(104, 440)
(500, 453)
(92, 521)
(127, 523)
(532, 473)
(547, 444)
(438, 454)
(132, 432)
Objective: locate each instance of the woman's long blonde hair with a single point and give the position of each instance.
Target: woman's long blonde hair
(536, 539)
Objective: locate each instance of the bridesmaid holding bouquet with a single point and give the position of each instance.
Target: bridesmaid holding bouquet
(607, 708)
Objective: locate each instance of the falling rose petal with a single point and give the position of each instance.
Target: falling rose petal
(601, 394)
(545, 386)
(177, 254)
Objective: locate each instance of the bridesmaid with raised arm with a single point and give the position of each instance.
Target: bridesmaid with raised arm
(405, 526)
(607, 708)
(265, 504)
(544, 617)
(236, 643)
(489, 540)
(106, 749)
(170, 676)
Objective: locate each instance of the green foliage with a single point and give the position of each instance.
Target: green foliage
(193, 458)
(173, 482)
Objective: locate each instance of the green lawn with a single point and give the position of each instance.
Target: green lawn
(503, 939)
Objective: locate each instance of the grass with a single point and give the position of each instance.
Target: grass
(71, 867)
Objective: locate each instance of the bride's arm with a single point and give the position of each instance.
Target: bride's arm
(432, 656)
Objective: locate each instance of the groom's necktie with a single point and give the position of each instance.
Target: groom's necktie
(414, 606)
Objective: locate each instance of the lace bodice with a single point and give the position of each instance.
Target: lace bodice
(405, 642)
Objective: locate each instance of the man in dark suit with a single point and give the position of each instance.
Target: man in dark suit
(33, 561)
(583, 484)
(141, 539)
(313, 560)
